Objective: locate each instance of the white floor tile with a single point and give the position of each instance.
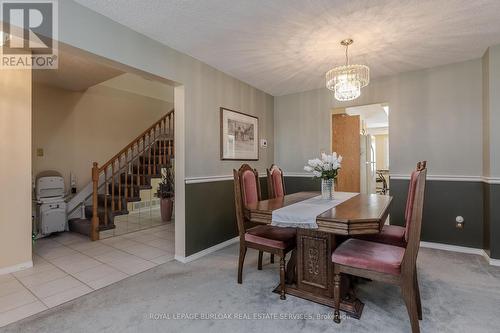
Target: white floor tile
(10, 286)
(66, 295)
(98, 250)
(145, 251)
(21, 312)
(16, 299)
(55, 286)
(107, 280)
(114, 255)
(163, 259)
(75, 263)
(55, 252)
(132, 266)
(97, 273)
(41, 277)
(66, 238)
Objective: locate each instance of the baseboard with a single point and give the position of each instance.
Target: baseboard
(211, 249)
(16, 268)
(452, 248)
(461, 249)
(492, 262)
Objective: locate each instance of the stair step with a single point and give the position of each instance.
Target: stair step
(81, 226)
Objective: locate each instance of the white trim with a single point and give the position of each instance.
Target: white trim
(209, 179)
(16, 268)
(491, 180)
(212, 249)
(452, 248)
(461, 249)
(492, 262)
(452, 178)
(297, 174)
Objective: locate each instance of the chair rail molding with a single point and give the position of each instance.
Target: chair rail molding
(209, 179)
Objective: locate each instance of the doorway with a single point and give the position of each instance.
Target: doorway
(361, 135)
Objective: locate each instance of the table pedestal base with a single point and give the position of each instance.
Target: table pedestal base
(352, 306)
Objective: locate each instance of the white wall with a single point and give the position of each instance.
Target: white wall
(491, 112)
(436, 115)
(206, 89)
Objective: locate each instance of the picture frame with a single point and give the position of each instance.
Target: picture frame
(239, 136)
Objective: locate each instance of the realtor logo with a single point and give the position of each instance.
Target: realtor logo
(29, 34)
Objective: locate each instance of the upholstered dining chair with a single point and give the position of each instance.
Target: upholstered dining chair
(387, 263)
(264, 238)
(394, 234)
(275, 182)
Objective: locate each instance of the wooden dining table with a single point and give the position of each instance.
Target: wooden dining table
(309, 272)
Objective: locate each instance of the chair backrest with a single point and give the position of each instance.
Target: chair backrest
(411, 195)
(246, 191)
(414, 224)
(275, 182)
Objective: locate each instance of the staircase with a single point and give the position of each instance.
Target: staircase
(119, 181)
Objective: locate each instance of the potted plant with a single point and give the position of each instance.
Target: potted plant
(326, 168)
(165, 192)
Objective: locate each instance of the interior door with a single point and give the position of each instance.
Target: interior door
(346, 142)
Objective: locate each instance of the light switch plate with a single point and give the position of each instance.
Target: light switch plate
(39, 152)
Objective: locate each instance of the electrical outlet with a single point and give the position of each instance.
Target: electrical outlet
(459, 222)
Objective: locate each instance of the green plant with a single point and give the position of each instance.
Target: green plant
(166, 186)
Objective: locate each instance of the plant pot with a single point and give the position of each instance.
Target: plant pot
(166, 209)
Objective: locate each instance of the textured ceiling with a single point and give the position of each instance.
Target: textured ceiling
(286, 46)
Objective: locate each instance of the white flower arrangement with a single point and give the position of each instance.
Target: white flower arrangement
(325, 168)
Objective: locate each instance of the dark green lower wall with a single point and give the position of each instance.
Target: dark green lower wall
(492, 219)
(210, 216)
(444, 201)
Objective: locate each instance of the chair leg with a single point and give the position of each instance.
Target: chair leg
(243, 252)
(336, 297)
(410, 298)
(282, 277)
(259, 265)
(417, 295)
(272, 258)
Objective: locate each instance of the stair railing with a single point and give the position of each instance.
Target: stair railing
(145, 146)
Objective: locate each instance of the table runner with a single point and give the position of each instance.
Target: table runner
(303, 214)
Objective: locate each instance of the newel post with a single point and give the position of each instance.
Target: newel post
(94, 227)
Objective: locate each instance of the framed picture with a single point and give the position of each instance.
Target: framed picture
(239, 136)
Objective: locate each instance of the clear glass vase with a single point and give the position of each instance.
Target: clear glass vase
(327, 189)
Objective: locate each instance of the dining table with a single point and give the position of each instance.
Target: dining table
(309, 273)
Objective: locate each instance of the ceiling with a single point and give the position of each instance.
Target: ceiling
(286, 46)
(76, 72)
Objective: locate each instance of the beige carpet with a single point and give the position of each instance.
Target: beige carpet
(460, 293)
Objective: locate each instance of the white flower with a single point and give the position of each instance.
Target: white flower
(308, 168)
(315, 163)
(316, 173)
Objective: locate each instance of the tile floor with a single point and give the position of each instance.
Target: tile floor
(135, 220)
(69, 265)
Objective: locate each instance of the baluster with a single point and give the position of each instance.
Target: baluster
(165, 145)
(106, 196)
(126, 175)
(154, 153)
(149, 154)
(143, 179)
(119, 183)
(94, 232)
(113, 186)
(137, 173)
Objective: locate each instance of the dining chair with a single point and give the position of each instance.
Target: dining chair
(275, 182)
(394, 234)
(387, 263)
(264, 238)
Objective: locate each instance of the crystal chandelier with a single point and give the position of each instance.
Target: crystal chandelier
(346, 81)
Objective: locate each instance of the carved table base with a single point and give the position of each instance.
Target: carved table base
(310, 272)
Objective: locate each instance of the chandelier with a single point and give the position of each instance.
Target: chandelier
(346, 81)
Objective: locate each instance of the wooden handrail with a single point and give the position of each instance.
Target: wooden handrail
(126, 159)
